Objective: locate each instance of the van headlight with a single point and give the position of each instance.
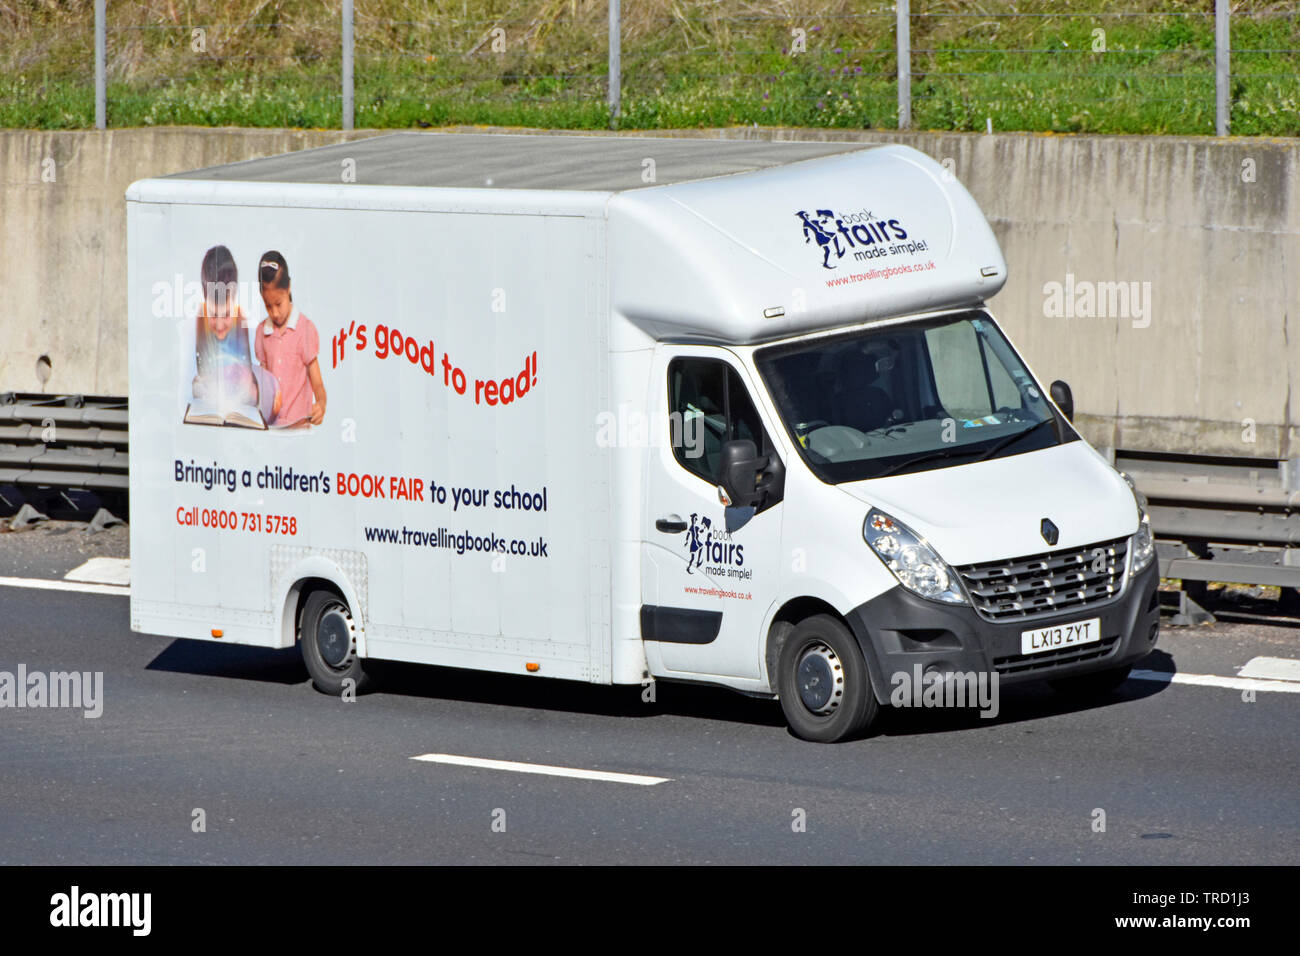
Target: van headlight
(915, 564)
(1143, 543)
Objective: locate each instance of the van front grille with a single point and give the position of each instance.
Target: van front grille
(1043, 584)
(1050, 660)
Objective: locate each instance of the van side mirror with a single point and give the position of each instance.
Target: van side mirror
(1064, 398)
(742, 466)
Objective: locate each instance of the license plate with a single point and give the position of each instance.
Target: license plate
(1060, 635)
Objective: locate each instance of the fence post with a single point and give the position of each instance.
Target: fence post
(101, 94)
(615, 70)
(347, 65)
(904, 39)
(1222, 44)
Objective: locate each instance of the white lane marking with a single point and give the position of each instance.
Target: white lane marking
(102, 571)
(1210, 680)
(44, 584)
(1272, 668)
(514, 767)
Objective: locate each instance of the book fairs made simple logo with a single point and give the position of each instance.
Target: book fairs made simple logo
(860, 233)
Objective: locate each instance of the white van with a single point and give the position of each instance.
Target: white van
(614, 410)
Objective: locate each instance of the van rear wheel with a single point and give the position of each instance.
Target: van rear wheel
(823, 682)
(327, 640)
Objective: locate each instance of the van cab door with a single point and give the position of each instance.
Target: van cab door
(710, 553)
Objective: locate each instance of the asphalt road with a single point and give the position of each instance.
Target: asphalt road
(283, 774)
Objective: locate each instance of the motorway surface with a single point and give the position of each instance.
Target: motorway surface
(1184, 772)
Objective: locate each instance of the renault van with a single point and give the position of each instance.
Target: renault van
(616, 410)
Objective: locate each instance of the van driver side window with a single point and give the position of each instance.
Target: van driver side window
(708, 406)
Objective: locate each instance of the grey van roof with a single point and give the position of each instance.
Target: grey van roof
(520, 161)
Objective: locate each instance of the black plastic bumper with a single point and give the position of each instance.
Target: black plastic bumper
(899, 630)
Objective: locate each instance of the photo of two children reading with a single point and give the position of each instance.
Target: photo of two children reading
(283, 387)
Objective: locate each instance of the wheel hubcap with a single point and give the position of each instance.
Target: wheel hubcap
(820, 678)
(334, 637)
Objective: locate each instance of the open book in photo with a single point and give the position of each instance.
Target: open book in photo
(241, 416)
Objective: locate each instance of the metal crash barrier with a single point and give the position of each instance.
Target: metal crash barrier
(1231, 520)
(65, 455)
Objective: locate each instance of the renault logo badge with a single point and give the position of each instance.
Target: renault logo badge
(1050, 532)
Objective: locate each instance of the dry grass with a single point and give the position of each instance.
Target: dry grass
(1024, 64)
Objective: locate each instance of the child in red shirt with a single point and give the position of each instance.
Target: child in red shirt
(286, 342)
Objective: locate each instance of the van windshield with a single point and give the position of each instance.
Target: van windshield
(908, 398)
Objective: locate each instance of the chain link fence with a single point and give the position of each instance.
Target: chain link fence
(1110, 66)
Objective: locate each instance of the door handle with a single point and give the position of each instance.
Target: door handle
(670, 525)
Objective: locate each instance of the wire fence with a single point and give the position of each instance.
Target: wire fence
(1154, 66)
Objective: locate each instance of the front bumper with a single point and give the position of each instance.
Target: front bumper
(899, 630)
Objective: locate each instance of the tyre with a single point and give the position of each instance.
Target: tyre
(1091, 686)
(823, 683)
(327, 640)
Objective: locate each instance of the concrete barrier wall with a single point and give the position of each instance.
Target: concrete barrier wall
(1159, 276)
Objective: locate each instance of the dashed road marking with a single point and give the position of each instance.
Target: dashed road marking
(1272, 668)
(102, 571)
(514, 767)
(1210, 680)
(45, 584)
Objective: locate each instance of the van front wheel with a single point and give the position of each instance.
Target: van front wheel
(327, 639)
(823, 683)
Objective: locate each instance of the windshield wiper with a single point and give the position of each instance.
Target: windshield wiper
(928, 456)
(961, 452)
(1012, 439)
